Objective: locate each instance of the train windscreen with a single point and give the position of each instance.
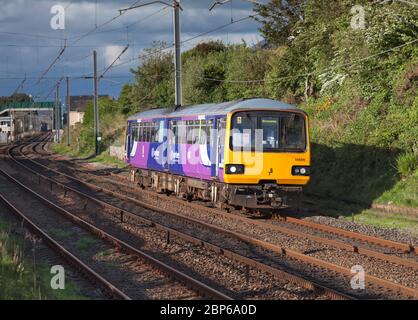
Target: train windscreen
(272, 131)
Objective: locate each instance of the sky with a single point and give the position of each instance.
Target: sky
(29, 45)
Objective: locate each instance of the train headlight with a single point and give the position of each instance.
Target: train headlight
(301, 171)
(234, 169)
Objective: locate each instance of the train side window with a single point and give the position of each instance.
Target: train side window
(193, 129)
(143, 132)
(189, 130)
(149, 130)
(146, 132)
(152, 130)
(134, 131)
(181, 135)
(140, 132)
(155, 127)
(173, 132)
(205, 132)
(160, 131)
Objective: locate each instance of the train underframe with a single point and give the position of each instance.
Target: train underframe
(266, 195)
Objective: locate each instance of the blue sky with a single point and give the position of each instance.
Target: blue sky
(28, 44)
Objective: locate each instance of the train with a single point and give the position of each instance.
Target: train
(249, 154)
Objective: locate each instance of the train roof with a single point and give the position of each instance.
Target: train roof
(213, 108)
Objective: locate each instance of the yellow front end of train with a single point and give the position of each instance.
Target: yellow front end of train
(267, 153)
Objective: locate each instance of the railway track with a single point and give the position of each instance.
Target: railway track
(202, 290)
(357, 242)
(259, 266)
(290, 253)
(78, 264)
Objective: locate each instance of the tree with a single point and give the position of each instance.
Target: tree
(279, 18)
(246, 64)
(203, 49)
(125, 102)
(203, 78)
(154, 78)
(17, 97)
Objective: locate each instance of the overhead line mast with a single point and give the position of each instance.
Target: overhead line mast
(96, 79)
(177, 49)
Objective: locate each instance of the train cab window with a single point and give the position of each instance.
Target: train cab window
(274, 131)
(270, 127)
(292, 134)
(244, 127)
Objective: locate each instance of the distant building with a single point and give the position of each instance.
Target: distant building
(5, 129)
(20, 119)
(78, 107)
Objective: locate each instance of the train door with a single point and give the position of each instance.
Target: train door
(164, 137)
(128, 142)
(125, 143)
(204, 140)
(175, 139)
(156, 139)
(220, 141)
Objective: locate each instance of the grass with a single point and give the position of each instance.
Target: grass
(63, 149)
(86, 242)
(403, 193)
(103, 158)
(338, 209)
(104, 253)
(20, 279)
(62, 234)
(107, 159)
(387, 221)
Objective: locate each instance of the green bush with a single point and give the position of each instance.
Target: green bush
(407, 163)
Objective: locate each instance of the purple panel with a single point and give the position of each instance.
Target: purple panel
(140, 151)
(194, 168)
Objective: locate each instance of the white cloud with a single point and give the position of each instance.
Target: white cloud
(111, 53)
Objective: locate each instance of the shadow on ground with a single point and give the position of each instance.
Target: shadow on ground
(350, 177)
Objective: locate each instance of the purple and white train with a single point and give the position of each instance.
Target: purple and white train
(249, 153)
